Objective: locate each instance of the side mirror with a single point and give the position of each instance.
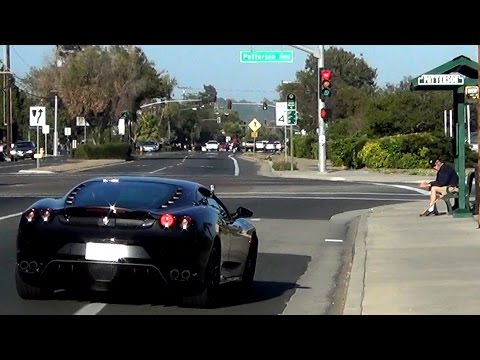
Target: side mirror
(242, 213)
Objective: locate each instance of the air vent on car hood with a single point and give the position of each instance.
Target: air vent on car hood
(174, 198)
(71, 197)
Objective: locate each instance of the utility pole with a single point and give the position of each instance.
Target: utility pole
(8, 100)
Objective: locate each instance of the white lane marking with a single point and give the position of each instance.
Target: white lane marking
(91, 309)
(309, 193)
(167, 167)
(255, 219)
(9, 216)
(246, 196)
(158, 170)
(333, 240)
(235, 163)
(405, 187)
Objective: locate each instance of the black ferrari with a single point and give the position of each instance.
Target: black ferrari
(167, 234)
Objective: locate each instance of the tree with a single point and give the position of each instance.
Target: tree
(398, 110)
(353, 82)
(148, 128)
(20, 110)
(100, 83)
(209, 95)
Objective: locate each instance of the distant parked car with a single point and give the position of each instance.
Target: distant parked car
(25, 150)
(212, 145)
(150, 146)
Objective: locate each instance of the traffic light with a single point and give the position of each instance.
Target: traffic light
(325, 114)
(325, 83)
(265, 105)
(229, 104)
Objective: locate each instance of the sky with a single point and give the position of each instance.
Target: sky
(219, 65)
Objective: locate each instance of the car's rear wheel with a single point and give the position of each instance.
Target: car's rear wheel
(249, 270)
(30, 292)
(209, 294)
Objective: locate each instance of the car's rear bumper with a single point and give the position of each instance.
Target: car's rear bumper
(69, 267)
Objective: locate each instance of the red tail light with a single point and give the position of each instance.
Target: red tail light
(167, 220)
(46, 214)
(185, 222)
(31, 215)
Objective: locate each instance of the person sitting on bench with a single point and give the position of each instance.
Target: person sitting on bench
(446, 178)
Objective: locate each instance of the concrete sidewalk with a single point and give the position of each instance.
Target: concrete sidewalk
(404, 263)
(308, 169)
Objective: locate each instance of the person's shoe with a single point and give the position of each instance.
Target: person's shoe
(428, 213)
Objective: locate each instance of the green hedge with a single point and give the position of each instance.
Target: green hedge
(104, 151)
(344, 151)
(303, 145)
(411, 151)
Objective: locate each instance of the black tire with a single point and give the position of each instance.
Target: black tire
(209, 295)
(31, 292)
(249, 270)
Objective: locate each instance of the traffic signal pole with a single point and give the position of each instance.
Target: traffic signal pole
(322, 154)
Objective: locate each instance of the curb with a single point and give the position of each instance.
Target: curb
(318, 176)
(356, 282)
(36, 172)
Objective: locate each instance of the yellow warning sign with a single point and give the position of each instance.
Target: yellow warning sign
(254, 125)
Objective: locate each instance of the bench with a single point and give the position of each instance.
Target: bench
(453, 192)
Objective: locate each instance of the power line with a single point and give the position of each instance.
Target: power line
(20, 57)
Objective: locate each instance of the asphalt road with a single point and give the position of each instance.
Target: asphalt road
(304, 256)
(28, 164)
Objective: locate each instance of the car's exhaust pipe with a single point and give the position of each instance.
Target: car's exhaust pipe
(23, 265)
(174, 274)
(33, 265)
(185, 274)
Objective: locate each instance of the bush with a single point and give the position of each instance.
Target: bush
(105, 151)
(282, 165)
(79, 152)
(344, 151)
(302, 146)
(411, 151)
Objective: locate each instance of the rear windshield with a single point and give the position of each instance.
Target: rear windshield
(124, 194)
(24, 144)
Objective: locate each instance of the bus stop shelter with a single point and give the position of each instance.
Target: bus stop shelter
(460, 77)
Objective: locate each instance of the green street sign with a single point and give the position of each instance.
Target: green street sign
(291, 109)
(265, 57)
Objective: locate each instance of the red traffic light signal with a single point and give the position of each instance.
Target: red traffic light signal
(325, 75)
(325, 83)
(323, 113)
